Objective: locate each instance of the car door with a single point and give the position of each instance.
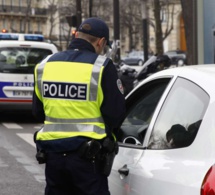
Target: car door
(167, 162)
(140, 108)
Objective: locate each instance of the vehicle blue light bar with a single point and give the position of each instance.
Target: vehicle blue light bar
(21, 37)
(29, 37)
(8, 36)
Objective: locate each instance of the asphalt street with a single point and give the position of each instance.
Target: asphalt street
(20, 174)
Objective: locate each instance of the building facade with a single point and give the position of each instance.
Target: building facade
(49, 18)
(19, 16)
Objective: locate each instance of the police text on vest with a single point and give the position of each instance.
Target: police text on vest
(61, 90)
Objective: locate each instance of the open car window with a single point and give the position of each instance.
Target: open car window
(140, 108)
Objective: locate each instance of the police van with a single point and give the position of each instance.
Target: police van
(19, 53)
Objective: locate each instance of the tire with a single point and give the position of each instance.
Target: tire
(140, 63)
(180, 62)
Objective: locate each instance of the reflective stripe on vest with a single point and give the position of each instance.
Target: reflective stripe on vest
(95, 77)
(72, 128)
(89, 120)
(40, 69)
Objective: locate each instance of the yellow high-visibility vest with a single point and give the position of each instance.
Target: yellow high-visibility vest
(71, 94)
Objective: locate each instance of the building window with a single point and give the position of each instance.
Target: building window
(5, 24)
(30, 27)
(11, 5)
(164, 15)
(39, 26)
(21, 26)
(3, 6)
(20, 5)
(12, 26)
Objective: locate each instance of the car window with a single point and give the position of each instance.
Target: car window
(140, 107)
(170, 53)
(135, 54)
(180, 117)
(20, 59)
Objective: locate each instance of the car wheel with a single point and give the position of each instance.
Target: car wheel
(180, 62)
(140, 63)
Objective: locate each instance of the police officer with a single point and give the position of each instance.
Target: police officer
(80, 98)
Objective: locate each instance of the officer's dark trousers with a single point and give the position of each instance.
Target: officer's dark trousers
(68, 174)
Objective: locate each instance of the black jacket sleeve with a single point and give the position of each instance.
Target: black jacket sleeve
(37, 108)
(113, 106)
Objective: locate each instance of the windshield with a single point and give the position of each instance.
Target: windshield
(21, 60)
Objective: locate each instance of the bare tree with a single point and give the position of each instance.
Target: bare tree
(130, 19)
(189, 16)
(167, 8)
(59, 9)
(158, 28)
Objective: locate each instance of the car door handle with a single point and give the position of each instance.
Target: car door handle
(124, 170)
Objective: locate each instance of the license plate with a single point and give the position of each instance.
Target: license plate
(22, 93)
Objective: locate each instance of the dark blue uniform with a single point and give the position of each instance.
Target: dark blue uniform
(81, 176)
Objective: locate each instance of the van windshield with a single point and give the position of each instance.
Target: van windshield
(21, 60)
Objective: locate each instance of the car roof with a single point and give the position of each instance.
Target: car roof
(176, 51)
(208, 70)
(202, 75)
(30, 44)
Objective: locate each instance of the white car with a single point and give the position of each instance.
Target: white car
(167, 140)
(19, 53)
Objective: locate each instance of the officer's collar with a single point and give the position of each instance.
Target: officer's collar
(81, 44)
